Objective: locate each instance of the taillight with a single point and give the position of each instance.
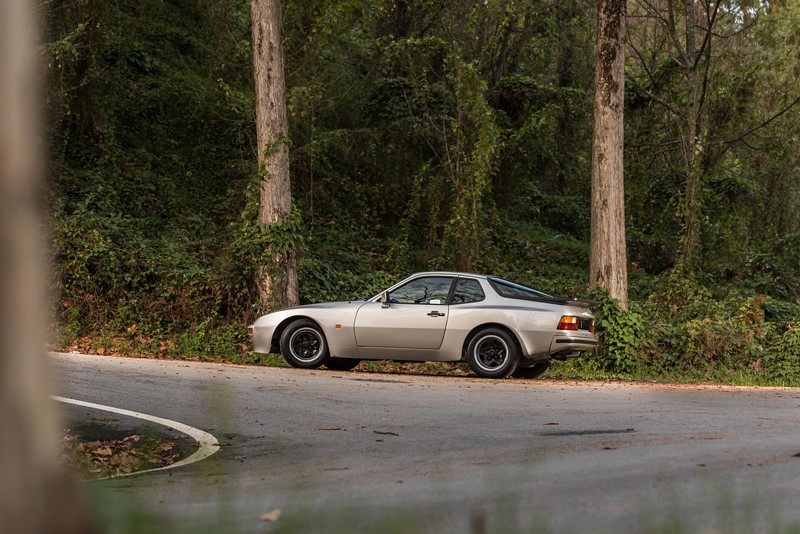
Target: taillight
(568, 322)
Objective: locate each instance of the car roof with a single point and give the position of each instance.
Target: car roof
(448, 273)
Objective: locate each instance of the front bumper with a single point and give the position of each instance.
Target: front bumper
(262, 338)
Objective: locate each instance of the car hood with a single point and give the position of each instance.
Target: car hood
(344, 305)
(276, 316)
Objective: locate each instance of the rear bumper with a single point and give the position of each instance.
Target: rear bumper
(571, 346)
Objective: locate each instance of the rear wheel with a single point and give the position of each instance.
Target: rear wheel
(341, 364)
(303, 344)
(534, 371)
(492, 353)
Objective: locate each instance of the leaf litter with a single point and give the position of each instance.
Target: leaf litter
(116, 457)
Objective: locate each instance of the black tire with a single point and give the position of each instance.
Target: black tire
(303, 344)
(341, 364)
(534, 371)
(492, 353)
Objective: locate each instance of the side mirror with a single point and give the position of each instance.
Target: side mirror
(385, 299)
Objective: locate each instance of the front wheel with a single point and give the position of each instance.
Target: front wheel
(492, 353)
(303, 344)
(534, 371)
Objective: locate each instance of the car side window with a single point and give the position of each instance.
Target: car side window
(468, 290)
(427, 290)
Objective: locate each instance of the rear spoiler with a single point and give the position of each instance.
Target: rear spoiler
(583, 303)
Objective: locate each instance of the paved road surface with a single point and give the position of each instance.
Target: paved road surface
(350, 451)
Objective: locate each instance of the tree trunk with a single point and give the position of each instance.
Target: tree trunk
(34, 495)
(276, 283)
(608, 261)
(692, 146)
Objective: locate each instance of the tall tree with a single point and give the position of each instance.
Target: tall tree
(277, 283)
(608, 257)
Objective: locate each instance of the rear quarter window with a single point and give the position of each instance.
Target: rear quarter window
(512, 290)
(467, 290)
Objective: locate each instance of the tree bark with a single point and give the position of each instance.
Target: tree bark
(34, 495)
(693, 146)
(277, 284)
(608, 260)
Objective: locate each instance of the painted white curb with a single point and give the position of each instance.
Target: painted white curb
(207, 444)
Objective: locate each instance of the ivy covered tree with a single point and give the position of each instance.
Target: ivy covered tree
(608, 266)
(276, 282)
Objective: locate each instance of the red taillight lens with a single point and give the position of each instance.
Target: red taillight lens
(568, 322)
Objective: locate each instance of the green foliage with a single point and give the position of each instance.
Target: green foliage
(323, 282)
(620, 334)
(472, 146)
(451, 135)
(782, 362)
(712, 339)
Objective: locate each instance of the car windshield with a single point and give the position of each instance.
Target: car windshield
(513, 290)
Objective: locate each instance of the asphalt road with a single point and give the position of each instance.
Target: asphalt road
(351, 451)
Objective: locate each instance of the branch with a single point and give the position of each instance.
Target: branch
(669, 26)
(763, 124)
(643, 145)
(684, 60)
(707, 38)
(654, 97)
(753, 147)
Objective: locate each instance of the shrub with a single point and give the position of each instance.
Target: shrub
(782, 363)
(620, 335)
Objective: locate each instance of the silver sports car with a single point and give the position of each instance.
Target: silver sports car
(498, 327)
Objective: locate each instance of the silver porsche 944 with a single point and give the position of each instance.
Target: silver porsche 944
(498, 327)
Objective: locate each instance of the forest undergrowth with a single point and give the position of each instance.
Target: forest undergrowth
(452, 136)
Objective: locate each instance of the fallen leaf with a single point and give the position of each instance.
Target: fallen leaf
(546, 424)
(271, 516)
(103, 451)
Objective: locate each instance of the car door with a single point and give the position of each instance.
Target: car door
(414, 317)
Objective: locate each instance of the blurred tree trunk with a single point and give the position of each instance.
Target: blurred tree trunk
(608, 261)
(277, 283)
(34, 497)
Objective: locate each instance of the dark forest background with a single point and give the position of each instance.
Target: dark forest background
(424, 135)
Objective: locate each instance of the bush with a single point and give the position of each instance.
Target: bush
(782, 363)
(620, 334)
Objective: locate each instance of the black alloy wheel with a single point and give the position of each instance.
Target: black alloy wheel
(303, 344)
(493, 353)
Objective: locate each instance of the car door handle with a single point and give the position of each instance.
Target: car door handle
(435, 313)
